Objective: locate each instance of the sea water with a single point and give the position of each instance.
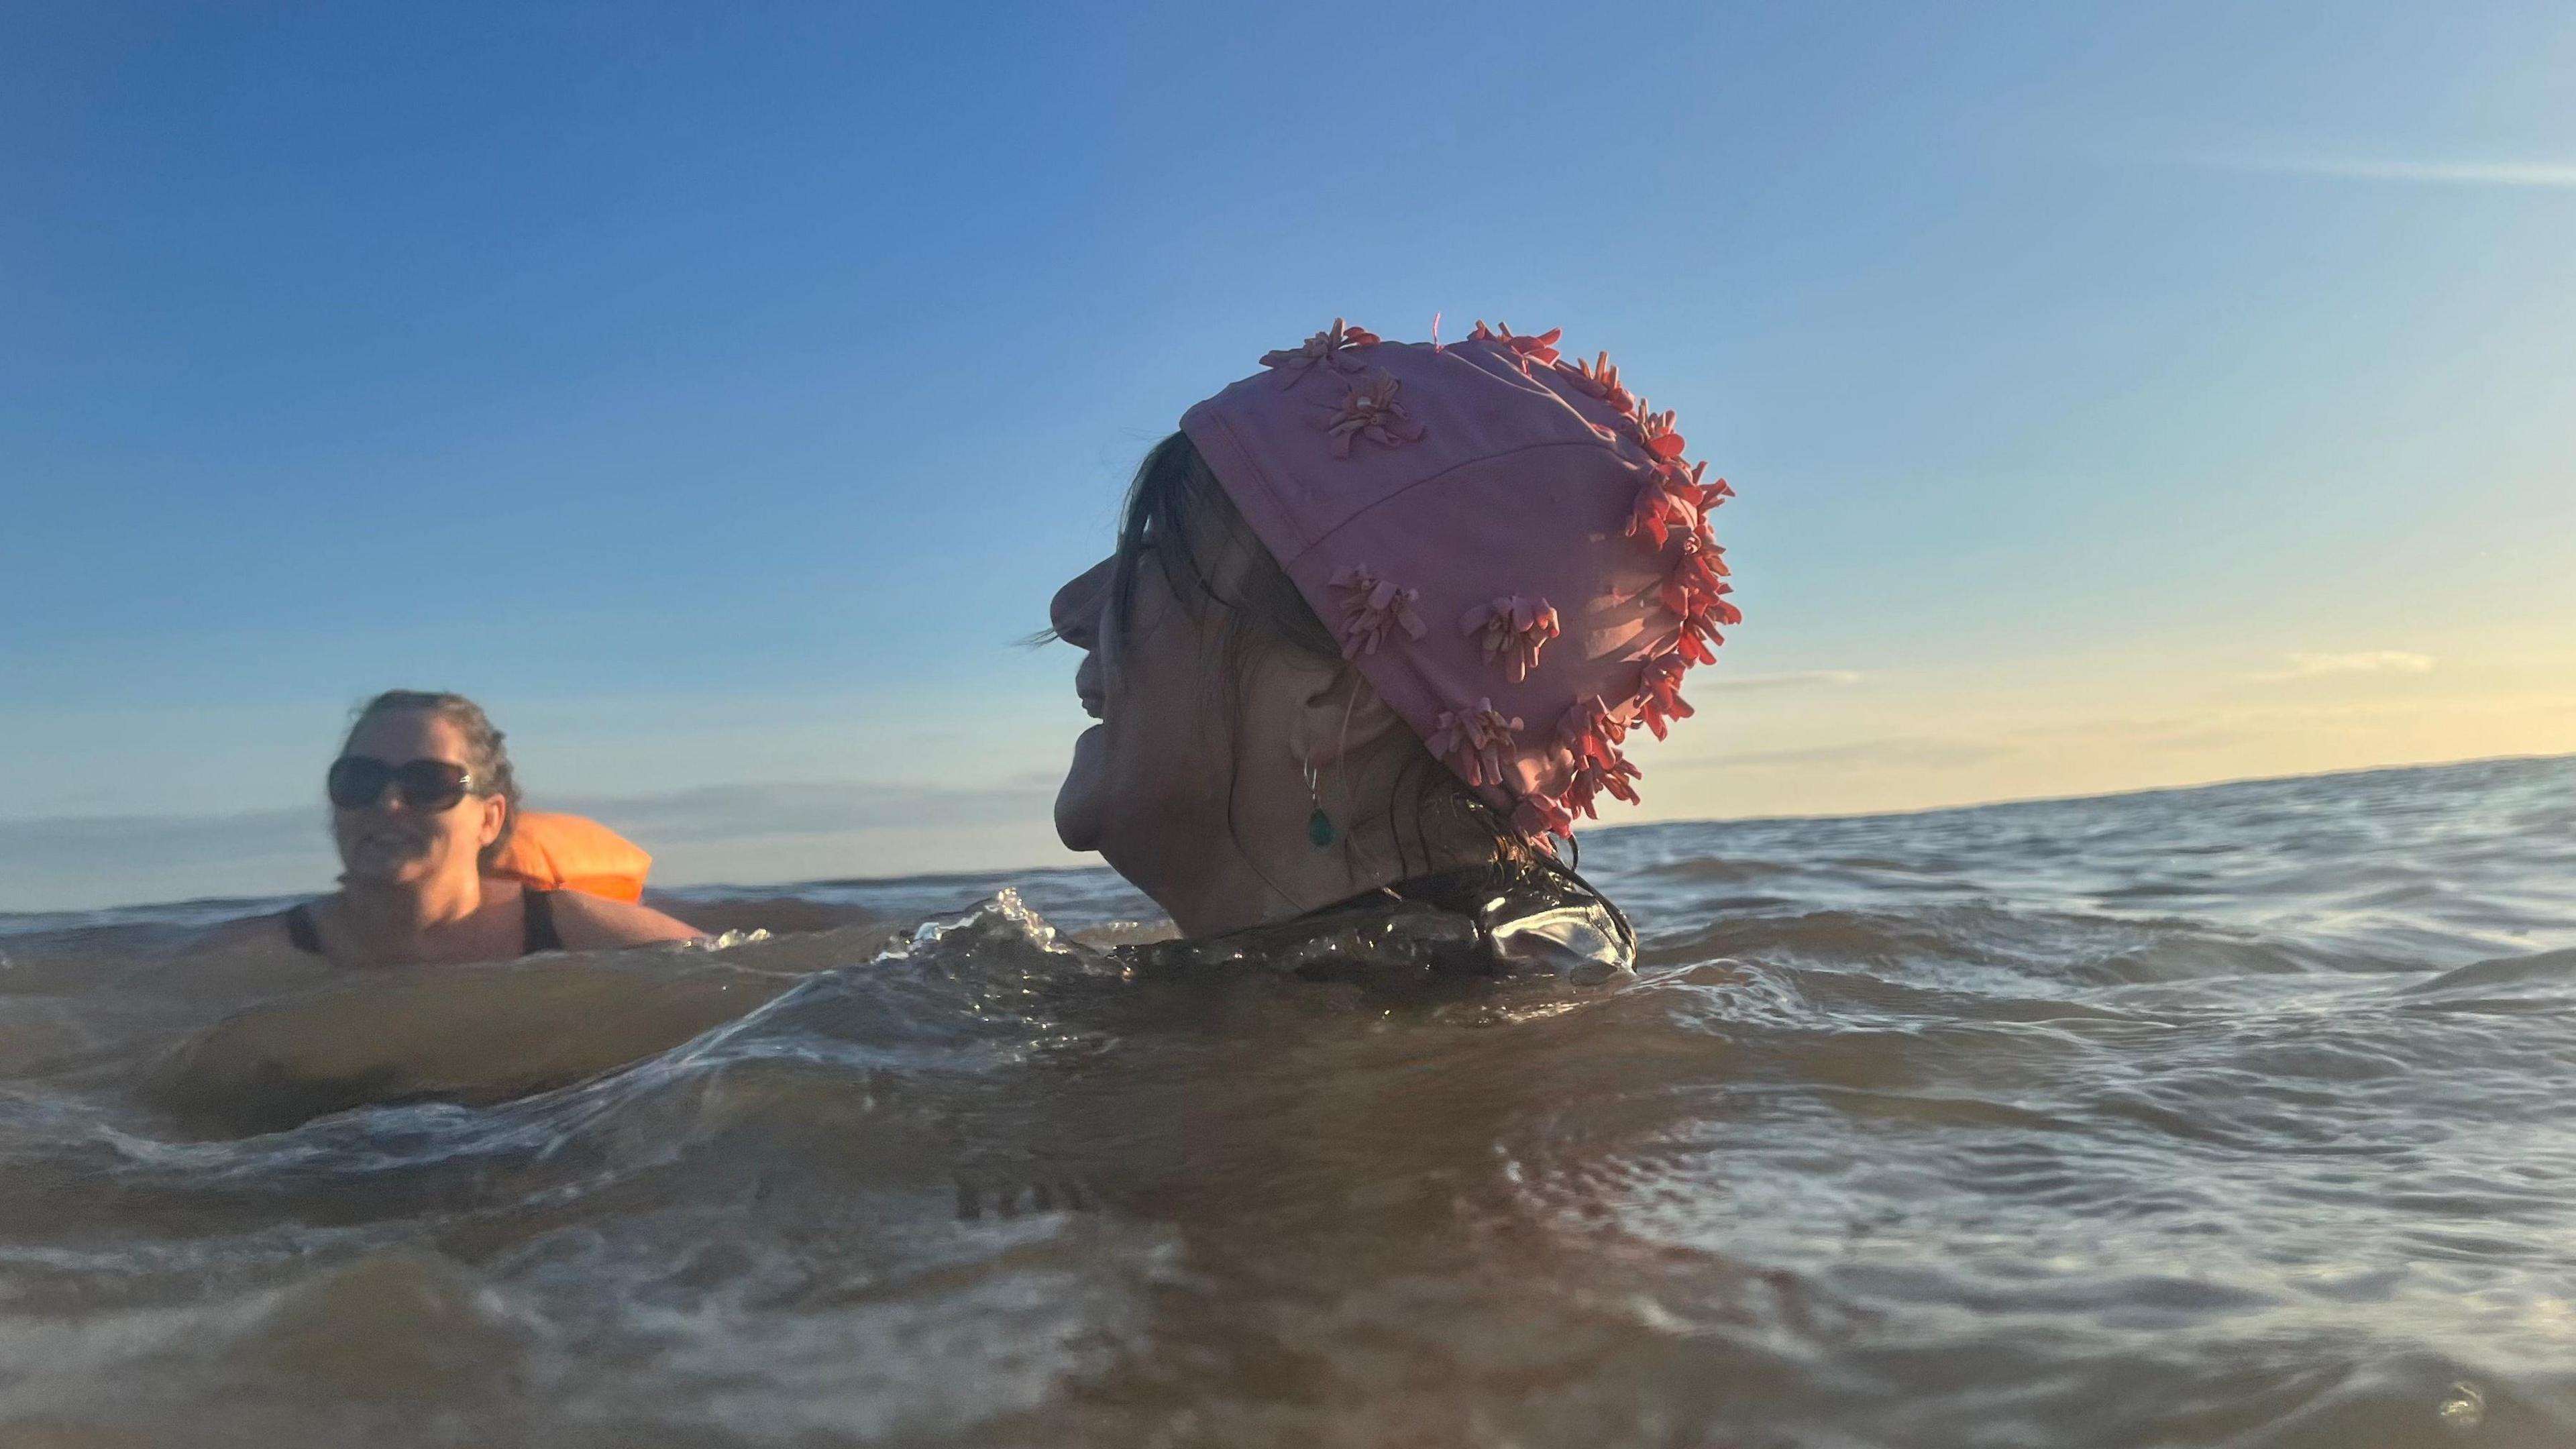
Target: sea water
(2234, 1116)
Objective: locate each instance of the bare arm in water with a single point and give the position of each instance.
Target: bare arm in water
(596, 923)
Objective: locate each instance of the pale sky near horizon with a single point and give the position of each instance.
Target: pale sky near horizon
(2117, 398)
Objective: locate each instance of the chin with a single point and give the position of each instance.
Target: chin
(1079, 806)
(1077, 817)
(385, 874)
(379, 868)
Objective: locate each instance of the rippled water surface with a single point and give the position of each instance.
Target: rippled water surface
(2241, 1116)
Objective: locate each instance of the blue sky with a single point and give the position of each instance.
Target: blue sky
(2118, 396)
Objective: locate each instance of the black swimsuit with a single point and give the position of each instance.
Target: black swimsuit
(1532, 919)
(538, 910)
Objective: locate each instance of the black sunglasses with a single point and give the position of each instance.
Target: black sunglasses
(428, 786)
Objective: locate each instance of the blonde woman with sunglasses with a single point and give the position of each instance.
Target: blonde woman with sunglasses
(422, 801)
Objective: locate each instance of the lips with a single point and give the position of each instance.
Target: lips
(1089, 685)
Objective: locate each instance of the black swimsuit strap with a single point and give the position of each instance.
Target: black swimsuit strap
(539, 907)
(299, 930)
(537, 914)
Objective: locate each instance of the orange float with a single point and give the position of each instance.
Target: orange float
(570, 853)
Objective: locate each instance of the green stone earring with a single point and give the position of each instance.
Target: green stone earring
(1319, 826)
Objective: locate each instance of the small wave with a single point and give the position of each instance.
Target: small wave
(2217, 1118)
(2554, 972)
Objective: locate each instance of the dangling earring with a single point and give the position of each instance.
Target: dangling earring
(1319, 826)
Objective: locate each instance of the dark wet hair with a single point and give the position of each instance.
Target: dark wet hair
(485, 755)
(1179, 518)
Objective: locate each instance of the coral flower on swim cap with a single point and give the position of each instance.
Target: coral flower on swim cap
(1537, 502)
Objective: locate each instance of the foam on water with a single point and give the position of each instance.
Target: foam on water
(2226, 1117)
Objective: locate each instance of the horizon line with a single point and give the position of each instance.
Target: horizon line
(1594, 832)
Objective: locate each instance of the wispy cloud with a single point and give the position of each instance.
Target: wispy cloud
(2439, 173)
(1895, 754)
(2370, 661)
(1794, 680)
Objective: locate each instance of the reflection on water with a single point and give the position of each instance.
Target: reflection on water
(2227, 1117)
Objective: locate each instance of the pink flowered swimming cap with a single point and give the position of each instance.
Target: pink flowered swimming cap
(1510, 545)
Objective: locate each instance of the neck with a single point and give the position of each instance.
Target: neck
(1234, 888)
(389, 912)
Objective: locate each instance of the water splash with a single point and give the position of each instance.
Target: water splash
(2200, 1119)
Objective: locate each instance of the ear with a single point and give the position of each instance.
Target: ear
(1340, 716)
(496, 813)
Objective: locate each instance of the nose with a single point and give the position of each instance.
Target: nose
(1075, 611)
(388, 800)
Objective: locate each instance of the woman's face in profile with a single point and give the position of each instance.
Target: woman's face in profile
(1148, 783)
(390, 842)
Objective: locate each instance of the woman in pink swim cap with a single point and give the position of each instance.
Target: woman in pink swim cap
(1379, 621)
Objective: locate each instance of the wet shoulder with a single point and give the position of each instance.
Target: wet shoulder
(586, 922)
(1541, 919)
